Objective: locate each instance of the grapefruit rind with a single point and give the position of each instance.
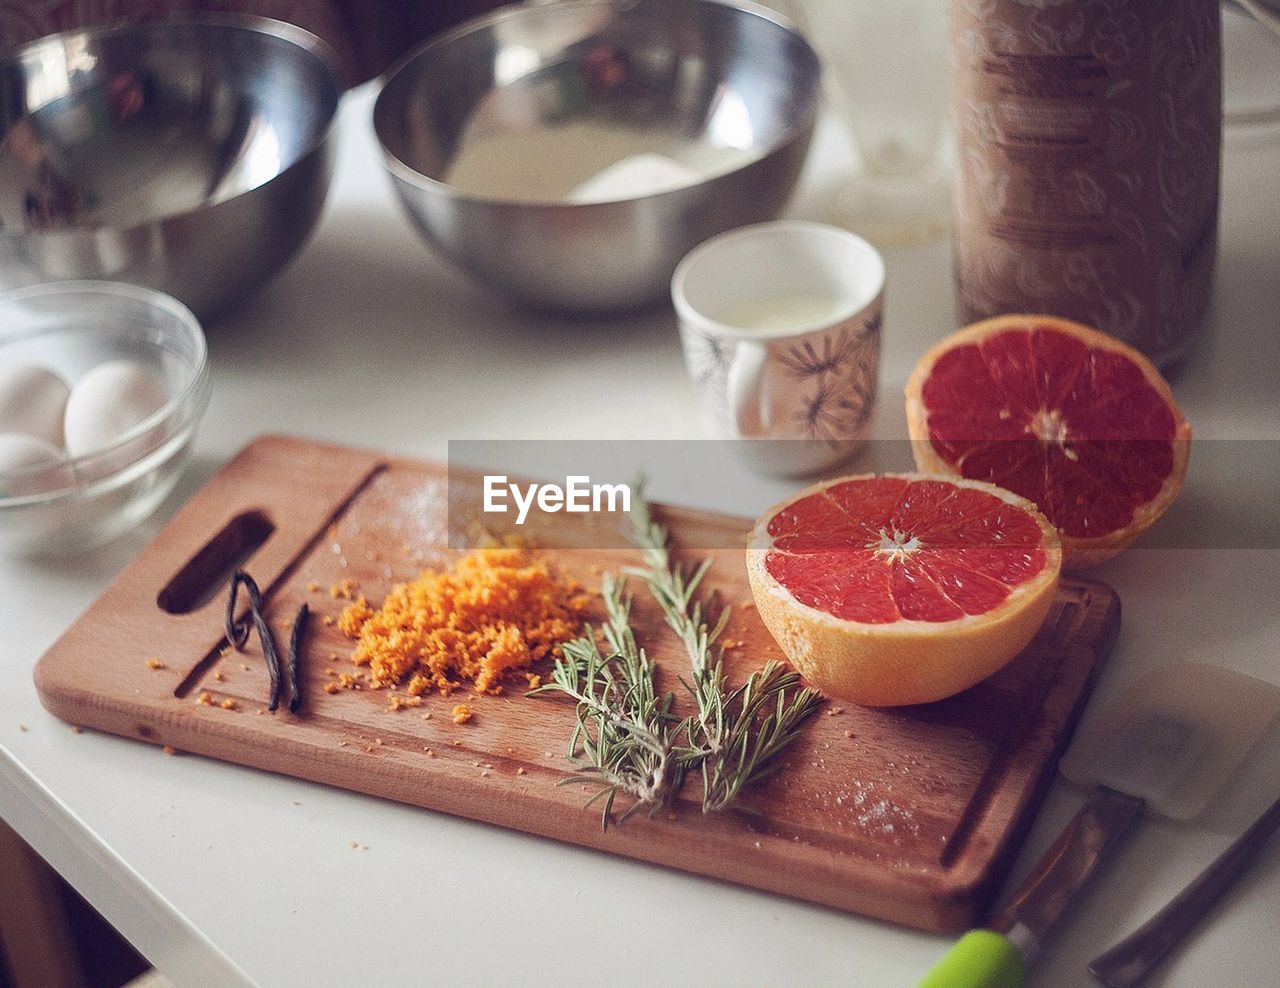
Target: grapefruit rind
(1077, 553)
(907, 661)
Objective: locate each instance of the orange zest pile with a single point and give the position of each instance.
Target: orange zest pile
(494, 612)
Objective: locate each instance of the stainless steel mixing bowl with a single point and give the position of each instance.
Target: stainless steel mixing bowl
(190, 157)
(487, 130)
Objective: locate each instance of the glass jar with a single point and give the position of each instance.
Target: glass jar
(1088, 137)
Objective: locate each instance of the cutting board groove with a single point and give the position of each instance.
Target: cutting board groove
(911, 815)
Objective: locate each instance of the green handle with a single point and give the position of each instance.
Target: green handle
(980, 959)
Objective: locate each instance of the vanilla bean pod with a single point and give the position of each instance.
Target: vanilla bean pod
(238, 631)
(295, 653)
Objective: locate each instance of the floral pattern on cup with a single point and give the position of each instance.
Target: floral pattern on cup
(822, 385)
(840, 367)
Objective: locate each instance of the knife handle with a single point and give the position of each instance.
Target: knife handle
(1066, 868)
(1134, 957)
(979, 959)
(998, 957)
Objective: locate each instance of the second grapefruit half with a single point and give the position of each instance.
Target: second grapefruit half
(1066, 416)
(902, 589)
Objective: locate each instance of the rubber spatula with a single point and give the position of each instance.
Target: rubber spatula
(1167, 744)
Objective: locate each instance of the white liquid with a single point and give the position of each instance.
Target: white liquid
(549, 165)
(635, 175)
(780, 313)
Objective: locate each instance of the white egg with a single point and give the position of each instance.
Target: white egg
(32, 401)
(21, 457)
(109, 401)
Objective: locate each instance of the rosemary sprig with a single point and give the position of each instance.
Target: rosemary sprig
(742, 732)
(626, 739)
(624, 736)
(736, 735)
(674, 587)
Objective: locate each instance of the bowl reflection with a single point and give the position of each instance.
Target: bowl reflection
(190, 157)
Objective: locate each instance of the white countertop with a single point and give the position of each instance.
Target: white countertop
(222, 875)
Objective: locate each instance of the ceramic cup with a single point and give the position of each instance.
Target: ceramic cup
(780, 325)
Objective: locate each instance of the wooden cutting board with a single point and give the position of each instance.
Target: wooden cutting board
(911, 815)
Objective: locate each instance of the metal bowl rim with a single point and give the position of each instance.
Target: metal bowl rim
(197, 388)
(405, 172)
(300, 37)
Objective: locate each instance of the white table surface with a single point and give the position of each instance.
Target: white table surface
(222, 875)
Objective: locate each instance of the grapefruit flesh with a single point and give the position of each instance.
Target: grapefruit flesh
(901, 589)
(1071, 419)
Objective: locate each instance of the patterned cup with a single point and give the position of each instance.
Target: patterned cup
(780, 325)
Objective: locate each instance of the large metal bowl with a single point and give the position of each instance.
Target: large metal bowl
(189, 157)
(487, 130)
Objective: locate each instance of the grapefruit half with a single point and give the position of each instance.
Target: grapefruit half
(1066, 416)
(899, 589)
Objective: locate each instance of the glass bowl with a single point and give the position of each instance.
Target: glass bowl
(70, 327)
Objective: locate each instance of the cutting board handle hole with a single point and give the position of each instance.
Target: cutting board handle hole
(208, 571)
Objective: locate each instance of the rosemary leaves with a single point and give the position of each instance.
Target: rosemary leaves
(627, 740)
(624, 738)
